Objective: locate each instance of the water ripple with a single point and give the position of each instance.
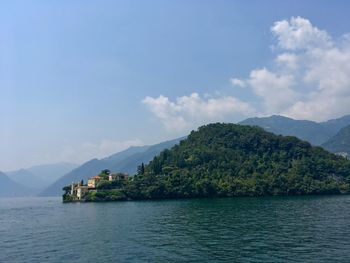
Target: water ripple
(279, 229)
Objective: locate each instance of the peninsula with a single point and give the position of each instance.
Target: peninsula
(225, 160)
(103, 187)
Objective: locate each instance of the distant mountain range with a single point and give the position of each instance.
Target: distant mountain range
(51, 172)
(35, 179)
(126, 161)
(339, 143)
(48, 180)
(316, 133)
(226, 160)
(9, 188)
(27, 179)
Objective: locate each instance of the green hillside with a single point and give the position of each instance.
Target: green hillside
(234, 160)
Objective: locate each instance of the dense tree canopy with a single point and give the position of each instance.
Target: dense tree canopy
(235, 160)
(232, 160)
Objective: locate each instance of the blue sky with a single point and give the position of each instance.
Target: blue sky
(84, 79)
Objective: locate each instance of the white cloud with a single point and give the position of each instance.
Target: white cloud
(328, 74)
(238, 82)
(275, 90)
(299, 33)
(287, 62)
(309, 78)
(187, 112)
(167, 112)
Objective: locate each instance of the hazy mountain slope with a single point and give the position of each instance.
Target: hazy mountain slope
(313, 132)
(125, 154)
(35, 179)
(9, 188)
(340, 143)
(27, 178)
(129, 164)
(336, 124)
(51, 172)
(84, 171)
(125, 161)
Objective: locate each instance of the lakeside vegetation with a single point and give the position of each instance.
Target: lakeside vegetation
(227, 160)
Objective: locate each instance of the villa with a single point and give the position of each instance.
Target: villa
(77, 191)
(93, 181)
(117, 177)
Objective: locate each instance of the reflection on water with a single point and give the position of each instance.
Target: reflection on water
(274, 229)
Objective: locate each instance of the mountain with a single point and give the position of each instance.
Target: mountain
(340, 143)
(84, 171)
(117, 157)
(27, 178)
(235, 160)
(35, 179)
(129, 164)
(126, 161)
(51, 172)
(314, 132)
(9, 188)
(336, 124)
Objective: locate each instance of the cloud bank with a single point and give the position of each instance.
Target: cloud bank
(190, 111)
(309, 79)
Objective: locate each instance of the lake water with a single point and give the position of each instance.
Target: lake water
(273, 229)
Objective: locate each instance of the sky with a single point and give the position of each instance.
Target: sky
(85, 79)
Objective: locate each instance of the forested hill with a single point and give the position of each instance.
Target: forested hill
(235, 160)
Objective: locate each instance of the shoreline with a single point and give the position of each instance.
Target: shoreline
(205, 197)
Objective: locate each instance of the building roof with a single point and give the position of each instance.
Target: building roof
(119, 174)
(82, 186)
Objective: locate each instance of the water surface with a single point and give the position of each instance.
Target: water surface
(273, 229)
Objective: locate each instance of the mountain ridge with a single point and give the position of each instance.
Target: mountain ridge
(316, 133)
(237, 160)
(124, 161)
(36, 178)
(10, 188)
(339, 143)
